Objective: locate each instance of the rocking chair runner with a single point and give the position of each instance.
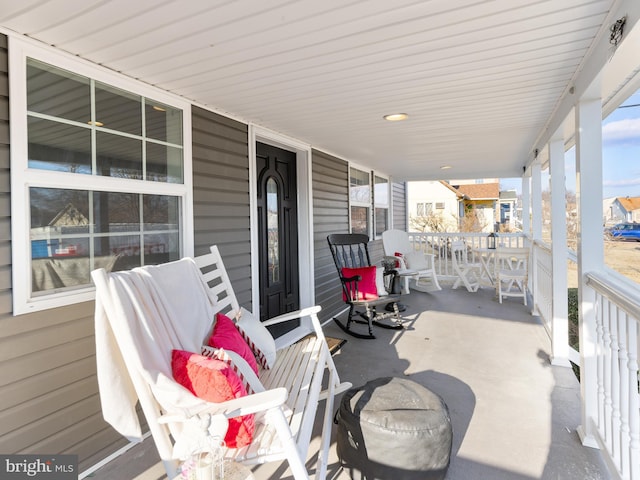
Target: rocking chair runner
(360, 291)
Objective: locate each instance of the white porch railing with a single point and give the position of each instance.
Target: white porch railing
(541, 282)
(617, 420)
(440, 245)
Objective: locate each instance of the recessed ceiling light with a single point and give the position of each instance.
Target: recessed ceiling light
(396, 117)
(445, 167)
(96, 123)
(159, 109)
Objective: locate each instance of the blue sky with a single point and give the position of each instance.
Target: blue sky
(620, 154)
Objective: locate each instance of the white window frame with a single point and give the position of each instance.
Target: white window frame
(377, 205)
(368, 204)
(23, 177)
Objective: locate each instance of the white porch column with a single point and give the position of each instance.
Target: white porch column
(526, 205)
(536, 229)
(536, 201)
(590, 244)
(559, 308)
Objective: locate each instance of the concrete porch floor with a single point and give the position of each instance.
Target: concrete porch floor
(514, 415)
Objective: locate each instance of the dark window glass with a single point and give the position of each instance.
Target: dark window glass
(118, 110)
(118, 156)
(56, 92)
(164, 163)
(359, 220)
(382, 221)
(59, 146)
(116, 212)
(163, 122)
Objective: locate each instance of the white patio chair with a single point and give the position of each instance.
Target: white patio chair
(397, 242)
(512, 272)
(468, 273)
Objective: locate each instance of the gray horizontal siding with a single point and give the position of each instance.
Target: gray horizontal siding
(399, 205)
(330, 180)
(221, 195)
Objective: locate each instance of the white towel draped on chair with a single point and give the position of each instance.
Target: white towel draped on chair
(142, 315)
(148, 327)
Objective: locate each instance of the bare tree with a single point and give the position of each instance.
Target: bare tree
(432, 222)
(472, 221)
(571, 217)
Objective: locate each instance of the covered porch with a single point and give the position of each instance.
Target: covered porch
(493, 89)
(514, 414)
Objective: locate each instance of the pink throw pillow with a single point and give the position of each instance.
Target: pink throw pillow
(214, 381)
(226, 335)
(367, 288)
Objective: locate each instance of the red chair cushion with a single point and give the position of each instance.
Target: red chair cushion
(214, 381)
(226, 335)
(367, 288)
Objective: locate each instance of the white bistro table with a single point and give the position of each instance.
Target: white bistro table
(487, 259)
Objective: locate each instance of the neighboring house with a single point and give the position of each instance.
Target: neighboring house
(508, 206)
(483, 200)
(627, 209)
(451, 206)
(611, 215)
(434, 201)
(87, 199)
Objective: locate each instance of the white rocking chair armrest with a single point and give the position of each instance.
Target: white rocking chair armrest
(398, 259)
(254, 403)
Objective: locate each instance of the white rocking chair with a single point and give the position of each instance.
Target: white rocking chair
(145, 313)
(397, 247)
(468, 273)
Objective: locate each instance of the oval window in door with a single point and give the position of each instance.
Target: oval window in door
(273, 232)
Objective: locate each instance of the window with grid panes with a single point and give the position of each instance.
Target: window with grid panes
(103, 178)
(360, 201)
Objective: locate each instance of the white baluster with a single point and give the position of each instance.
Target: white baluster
(615, 385)
(623, 356)
(608, 407)
(634, 400)
(600, 359)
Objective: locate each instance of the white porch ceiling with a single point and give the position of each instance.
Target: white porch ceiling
(479, 79)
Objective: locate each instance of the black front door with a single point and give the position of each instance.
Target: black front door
(278, 233)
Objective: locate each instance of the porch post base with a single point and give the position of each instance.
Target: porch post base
(560, 362)
(587, 440)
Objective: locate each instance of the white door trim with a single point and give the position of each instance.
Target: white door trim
(305, 213)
